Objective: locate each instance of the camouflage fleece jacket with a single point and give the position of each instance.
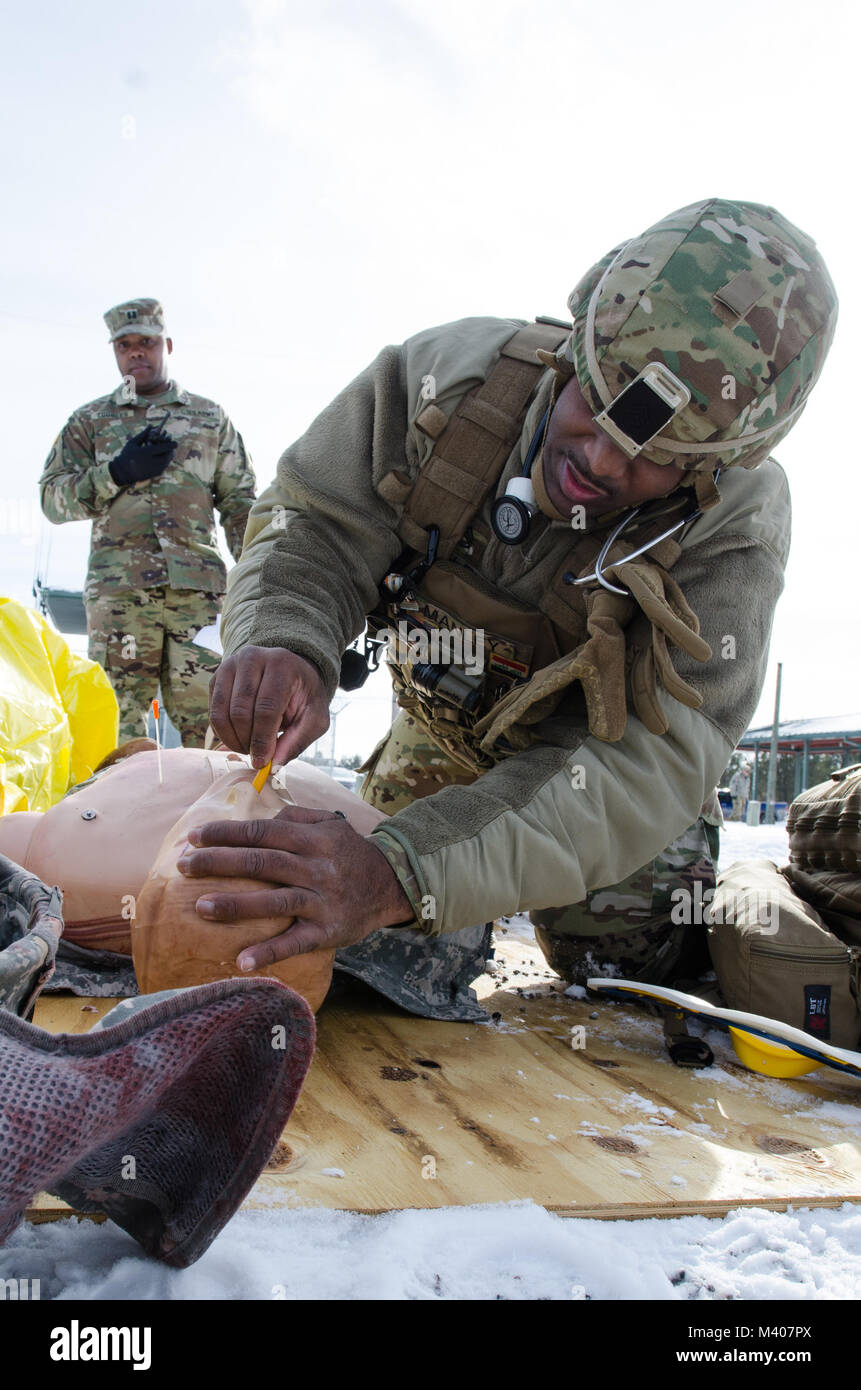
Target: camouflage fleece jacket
(526, 834)
(158, 533)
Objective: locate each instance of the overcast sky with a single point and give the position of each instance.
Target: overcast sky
(301, 183)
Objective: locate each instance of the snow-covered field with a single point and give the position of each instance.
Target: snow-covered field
(516, 1251)
(739, 841)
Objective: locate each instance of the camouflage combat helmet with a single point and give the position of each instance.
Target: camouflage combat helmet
(735, 301)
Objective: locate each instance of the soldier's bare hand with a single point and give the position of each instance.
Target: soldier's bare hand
(260, 693)
(334, 882)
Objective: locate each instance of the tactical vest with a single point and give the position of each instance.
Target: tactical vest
(481, 670)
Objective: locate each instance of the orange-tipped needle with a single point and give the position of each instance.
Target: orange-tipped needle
(260, 779)
(157, 741)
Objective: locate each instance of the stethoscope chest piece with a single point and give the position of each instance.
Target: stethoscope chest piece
(511, 515)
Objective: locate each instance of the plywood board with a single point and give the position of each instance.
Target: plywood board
(402, 1112)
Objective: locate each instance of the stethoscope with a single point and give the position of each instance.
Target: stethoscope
(511, 515)
(598, 571)
(511, 518)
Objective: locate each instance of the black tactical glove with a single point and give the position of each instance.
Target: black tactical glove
(144, 456)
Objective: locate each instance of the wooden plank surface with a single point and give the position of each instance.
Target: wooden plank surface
(402, 1112)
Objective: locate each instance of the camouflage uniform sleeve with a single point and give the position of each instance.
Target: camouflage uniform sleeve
(233, 485)
(73, 487)
(399, 860)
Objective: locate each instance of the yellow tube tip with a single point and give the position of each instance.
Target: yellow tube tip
(260, 779)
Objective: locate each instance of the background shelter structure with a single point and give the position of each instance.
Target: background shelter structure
(837, 736)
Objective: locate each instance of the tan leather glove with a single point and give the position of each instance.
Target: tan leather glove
(664, 613)
(600, 663)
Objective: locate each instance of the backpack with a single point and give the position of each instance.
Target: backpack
(774, 954)
(787, 942)
(824, 824)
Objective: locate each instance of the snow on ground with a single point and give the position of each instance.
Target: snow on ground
(513, 1251)
(739, 841)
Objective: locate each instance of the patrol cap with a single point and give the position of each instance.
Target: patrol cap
(145, 316)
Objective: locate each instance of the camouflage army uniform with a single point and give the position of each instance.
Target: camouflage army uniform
(145, 639)
(630, 929)
(155, 576)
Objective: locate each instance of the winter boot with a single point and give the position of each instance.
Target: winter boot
(163, 1121)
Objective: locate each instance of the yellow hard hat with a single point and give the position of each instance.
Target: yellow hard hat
(769, 1058)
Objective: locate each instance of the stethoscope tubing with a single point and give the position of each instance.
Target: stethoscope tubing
(598, 571)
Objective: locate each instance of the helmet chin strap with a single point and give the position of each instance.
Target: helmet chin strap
(705, 486)
(541, 494)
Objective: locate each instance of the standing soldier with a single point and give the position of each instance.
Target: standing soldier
(739, 791)
(147, 464)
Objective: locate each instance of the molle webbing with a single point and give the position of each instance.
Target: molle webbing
(472, 448)
(824, 824)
